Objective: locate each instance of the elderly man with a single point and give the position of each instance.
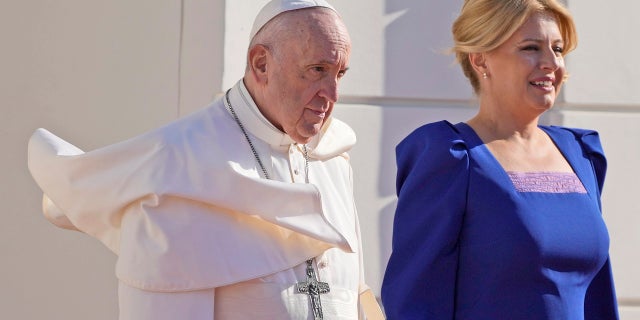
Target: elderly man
(243, 210)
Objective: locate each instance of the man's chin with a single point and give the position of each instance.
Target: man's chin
(304, 134)
(304, 138)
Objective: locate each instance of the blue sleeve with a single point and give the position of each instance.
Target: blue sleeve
(420, 278)
(600, 300)
(590, 141)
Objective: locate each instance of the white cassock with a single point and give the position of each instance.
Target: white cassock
(198, 232)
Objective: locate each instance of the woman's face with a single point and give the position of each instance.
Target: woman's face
(527, 71)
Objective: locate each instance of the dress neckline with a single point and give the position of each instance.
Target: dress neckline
(469, 134)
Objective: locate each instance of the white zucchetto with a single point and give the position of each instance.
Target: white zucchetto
(276, 7)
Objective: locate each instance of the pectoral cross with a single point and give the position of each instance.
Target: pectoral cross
(314, 289)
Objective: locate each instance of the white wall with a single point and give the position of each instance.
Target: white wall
(98, 72)
(94, 72)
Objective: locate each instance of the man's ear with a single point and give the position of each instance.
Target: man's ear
(258, 56)
(479, 63)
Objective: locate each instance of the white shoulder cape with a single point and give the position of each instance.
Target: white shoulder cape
(178, 212)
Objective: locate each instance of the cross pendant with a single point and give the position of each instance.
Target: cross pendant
(313, 288)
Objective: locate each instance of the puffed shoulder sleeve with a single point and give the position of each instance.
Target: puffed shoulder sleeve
(592, 149)
(600, 299)
(432, 179)
(87, 191)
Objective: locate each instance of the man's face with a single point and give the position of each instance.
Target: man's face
(303, 74)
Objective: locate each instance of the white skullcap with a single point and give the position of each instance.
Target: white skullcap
(276, 7)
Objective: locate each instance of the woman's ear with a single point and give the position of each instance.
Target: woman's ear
(479, 64)
(258, 55)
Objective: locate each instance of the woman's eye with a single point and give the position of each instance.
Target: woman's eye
(530, 48)
(558, 49)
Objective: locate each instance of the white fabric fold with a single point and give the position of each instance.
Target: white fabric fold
(180, 215)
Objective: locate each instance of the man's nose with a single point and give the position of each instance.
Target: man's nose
(329, 89)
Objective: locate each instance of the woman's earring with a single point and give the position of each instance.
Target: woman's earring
(484, 75)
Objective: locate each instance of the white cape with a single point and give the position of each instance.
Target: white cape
(178, 213)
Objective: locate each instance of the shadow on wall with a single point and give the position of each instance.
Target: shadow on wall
(419, 71)
(417, 61)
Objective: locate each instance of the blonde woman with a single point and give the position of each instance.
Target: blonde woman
(499, 217)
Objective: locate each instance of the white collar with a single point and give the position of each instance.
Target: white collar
(253, 120)
(334, 139)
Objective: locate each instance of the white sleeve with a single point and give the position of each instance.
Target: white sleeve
(88, 191)
(55, 215)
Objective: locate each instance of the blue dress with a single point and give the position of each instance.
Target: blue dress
(467, 245)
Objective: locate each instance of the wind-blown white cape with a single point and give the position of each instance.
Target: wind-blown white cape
(183, 206)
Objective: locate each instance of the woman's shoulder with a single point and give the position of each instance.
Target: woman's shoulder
(435, 150)
(589, 139)
(440, 133)
(577, 132)
(567, 140)
(434, 144)
(440, 128)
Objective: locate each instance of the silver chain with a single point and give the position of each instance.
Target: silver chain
(253, 149)
(306, 163)
(316, 306)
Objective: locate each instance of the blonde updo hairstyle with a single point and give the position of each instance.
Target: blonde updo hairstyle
(483, 25)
